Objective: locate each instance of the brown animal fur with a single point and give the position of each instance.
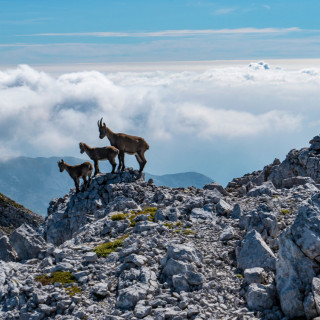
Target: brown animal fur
(125, 144)
(76, 172)
(96, 154)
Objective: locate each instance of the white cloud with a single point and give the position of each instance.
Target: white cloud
(171, 33)
(224, 11)
(177, 112)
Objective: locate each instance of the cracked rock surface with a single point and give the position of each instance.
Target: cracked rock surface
(127, 249)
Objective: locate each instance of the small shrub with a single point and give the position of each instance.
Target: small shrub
(168, 224)
(188, 232)
(150, 211)
(103, 250)
(62, 277)
(239, 275)
(118, 216)
(179, 224)
(285, 211)
(71, 291)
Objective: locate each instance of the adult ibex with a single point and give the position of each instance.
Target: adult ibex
(76, 172)
(96, 154)
(125, 144)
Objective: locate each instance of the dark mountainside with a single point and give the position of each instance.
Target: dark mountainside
(13, 215)
(127, 249)
(33, 182)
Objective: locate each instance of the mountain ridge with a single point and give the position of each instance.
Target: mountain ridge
(33, 182)
(125, 248)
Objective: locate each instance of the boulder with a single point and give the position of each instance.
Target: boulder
(260, 297)
(267, 188)
(7, 253)
(316, 293)
(179, 267)
(254, 275)
(27, 242)
(216, 186)
(296, 181)
(255, 253)
(236, 211)
(226, 234)
(199, 213)
(294, 274)
(223, 208)
(306, 228)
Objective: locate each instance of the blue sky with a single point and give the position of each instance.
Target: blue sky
(148, 68)
(124, 31)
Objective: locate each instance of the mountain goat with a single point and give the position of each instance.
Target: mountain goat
(125, 144)
(96, 154)
(76, 172)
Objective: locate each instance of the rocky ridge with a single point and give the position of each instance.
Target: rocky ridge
(127, 249)
(13, 215)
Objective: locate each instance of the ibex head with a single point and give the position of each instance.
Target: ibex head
(102, 129)
(81, 146)
(61, 165)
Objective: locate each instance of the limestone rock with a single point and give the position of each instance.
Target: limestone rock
(216, 186)
(294, 273)
(267, 188)
(255, 253)
(260, 297)
(27, 242)
(7, 253)
(306, 228)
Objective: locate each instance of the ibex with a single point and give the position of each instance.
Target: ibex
(126, 144)
(96, 154)
(76, 172)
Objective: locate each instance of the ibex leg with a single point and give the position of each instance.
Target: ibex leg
(121, 155)
(96, 167)
(120, 161)
(85, 183)
(114, 164)
(142, 161)
(76, 182)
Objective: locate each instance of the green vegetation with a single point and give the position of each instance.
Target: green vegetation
(188, 232)
(149, 211)
(5, 201)
(7, 230)
(62, 277)
(239, 275)
(179, 224)
(285, 211)
(118, 216)
(103, 250)
(168, 224)
(71, 291)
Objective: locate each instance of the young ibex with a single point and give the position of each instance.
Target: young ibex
(96, 154)
(126, 144)
(76, 172)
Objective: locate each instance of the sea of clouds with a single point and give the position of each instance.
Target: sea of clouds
(221, 122)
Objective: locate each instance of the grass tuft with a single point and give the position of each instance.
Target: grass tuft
(150, 211)
(169, 225)
(188, 232)
(118, 216)
(285, 211)
(72, 291)
(62, 277)
(104, 249)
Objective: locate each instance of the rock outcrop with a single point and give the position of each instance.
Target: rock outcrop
(13, 215)
(299, 168)
(128, 249)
